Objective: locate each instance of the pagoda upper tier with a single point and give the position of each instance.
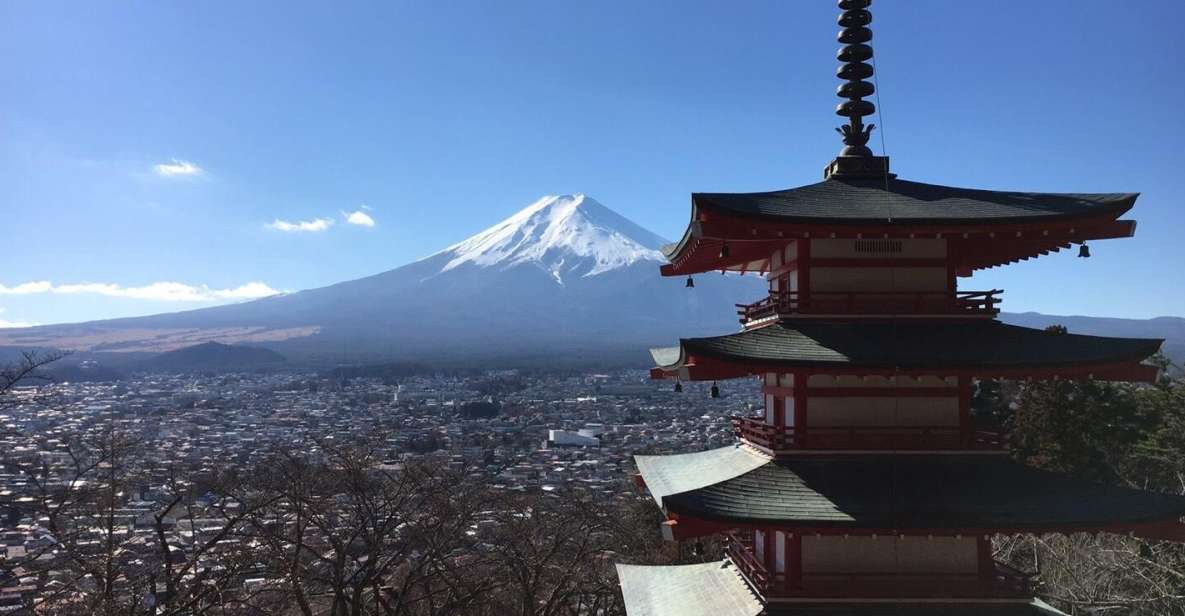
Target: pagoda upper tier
(985, 228)
(981, 348)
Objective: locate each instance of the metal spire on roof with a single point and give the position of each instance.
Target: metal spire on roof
(855, 36)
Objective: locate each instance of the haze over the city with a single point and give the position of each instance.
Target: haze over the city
(163, 157)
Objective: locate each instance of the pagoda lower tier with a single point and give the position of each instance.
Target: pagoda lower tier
(866, 533)
(720, 490)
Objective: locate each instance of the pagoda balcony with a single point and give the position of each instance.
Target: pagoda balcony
(1003, 582)
(754, 430)
(790, 303)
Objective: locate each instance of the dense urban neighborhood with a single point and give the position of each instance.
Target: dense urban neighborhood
(520, 433)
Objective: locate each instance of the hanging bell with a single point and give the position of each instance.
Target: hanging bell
(690, 283)
(714, 392)
(1083, 251)
(724, 252)
(678, 387)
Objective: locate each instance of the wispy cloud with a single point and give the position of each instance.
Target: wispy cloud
(301, 226)
(178, 169)
(359, 217)
(157, 291)
(27, 288)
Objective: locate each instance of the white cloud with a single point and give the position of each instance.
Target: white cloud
(157, 291)
(314, 225)
(5, 323)
(178, 168)
(358, 217)
(27, 288)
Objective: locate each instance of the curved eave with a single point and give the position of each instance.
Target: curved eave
(718, 589)
(990, 349)
(752, 235)
(705, 589)
(919, 204)
(919, 494)
(673, 474)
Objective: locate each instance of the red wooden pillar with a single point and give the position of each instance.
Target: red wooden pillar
(779, 411)
(803, 265)
(952, 268)
(771, 558)
(987, 566)
(794, 561)
(799, 407)
(966, 430)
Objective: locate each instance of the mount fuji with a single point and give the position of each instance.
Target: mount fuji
(564, 279)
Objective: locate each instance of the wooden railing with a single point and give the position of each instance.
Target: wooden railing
(1003, 581)
(872, 302)
(740, 552)
(914, 438)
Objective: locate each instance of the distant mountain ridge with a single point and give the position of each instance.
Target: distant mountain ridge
(564, 281)
(212, 356)
(1171, 329)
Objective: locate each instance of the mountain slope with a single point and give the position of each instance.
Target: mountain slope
(564, 275)
(566, 279)
(212, 356)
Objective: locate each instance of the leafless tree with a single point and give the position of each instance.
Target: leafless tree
(349, 535)
(1102, 573)
(96, 558)
(27, 369)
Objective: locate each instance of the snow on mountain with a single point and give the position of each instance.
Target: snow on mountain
(565, 278)
(564, 235)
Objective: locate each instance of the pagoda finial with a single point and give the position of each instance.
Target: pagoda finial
(855, 36)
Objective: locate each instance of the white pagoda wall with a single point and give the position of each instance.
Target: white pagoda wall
(856, 410)
(853, 409)
(779, 258)
(884, 278)
(835, 554)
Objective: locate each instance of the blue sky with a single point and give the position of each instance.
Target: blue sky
(438, 119)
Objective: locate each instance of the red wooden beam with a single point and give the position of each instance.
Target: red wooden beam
(690, 527)
(751, 240)
(713, 369)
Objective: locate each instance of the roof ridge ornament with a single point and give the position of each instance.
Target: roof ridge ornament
(855, 35)
(856, 159)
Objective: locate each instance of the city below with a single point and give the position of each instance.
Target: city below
(521, 432)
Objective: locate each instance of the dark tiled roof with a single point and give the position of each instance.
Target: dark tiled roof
(862, 201)
(913, 344)
(922, 492)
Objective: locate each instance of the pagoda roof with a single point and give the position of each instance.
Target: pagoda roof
(710, 589)
(986, 347)
(717, 589)
(1020, 224)
(879, 201)
(943, 492)
(684, 472)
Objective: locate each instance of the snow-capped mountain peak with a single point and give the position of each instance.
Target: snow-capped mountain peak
(565, 235)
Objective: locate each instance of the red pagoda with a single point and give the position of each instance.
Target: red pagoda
(866, 487)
